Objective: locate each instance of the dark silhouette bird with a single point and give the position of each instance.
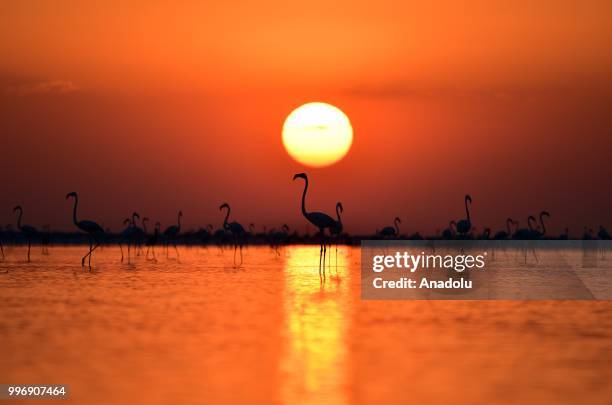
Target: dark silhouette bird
(95, 231)
(391, 231)
(237, 231)
(507, 233)
(337, 229)
(29, 232)
(318, 219)
(465, 225)
(538, 234)
(126, 237)
(138, 234)
(603, 233)
(485, 235)
(172, 232)
(529, 232)
(278, 237)
(204, 234)
(565, 234)
(151, 239)
(451, 231)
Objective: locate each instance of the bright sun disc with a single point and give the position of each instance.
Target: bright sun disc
(317, 134)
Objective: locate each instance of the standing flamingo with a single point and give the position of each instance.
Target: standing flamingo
(318, 219)
(151, 239)
(391, 231)
(237, 231)
(126, 236)
(451, 231)
(172, 233)
(278, 237)
(337, 229)
(94, 230)
(28, 231)
(507, 233)
(465, 225)
(527, 233)
(537, 234)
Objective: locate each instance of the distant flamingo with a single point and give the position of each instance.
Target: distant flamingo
(29, 232)
(172, 233)
(278, 237)
(527, 233)
(138, 234)
(603, 233)
(94, 230)
(126, 236)
(538, 234)
(485, 235)
(320, 220)
(507, 233)
(451, 231)
(151, 239)
(465, 225)
(235, 229)
(337, 229)
(391, 231)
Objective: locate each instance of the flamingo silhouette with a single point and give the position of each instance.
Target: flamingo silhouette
(94, 230)
(538, 234)
(337, 229)
(27, 231)
(151, 239)
(320, 220)
(237, 231)
(507, 233)
(126, 236)
(451, 231)
(172, 232)
(465, 225)
(391, 231)
(278, 237)
(527, 233)
(138, 234)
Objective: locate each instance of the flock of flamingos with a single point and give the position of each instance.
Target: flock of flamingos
(134, 236)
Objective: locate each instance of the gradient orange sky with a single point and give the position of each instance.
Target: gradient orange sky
(152, 106)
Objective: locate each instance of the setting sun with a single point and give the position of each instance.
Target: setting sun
(317, 134)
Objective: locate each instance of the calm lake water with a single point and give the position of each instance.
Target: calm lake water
(200, 331)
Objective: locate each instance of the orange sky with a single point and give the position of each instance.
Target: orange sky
(149, 106)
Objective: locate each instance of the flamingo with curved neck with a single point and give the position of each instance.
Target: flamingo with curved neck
(95, 231)
(319, 219)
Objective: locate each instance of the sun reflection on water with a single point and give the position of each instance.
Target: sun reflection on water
(316, 312)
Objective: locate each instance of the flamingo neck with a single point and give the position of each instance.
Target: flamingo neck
(338, 215)
(467, 210)
(304, 212)
(396, 226)
(227, 214)
(74, 210)
(542, 223)
(508, 222)
(179, 222)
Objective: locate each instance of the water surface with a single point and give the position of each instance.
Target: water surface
(199, 330)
